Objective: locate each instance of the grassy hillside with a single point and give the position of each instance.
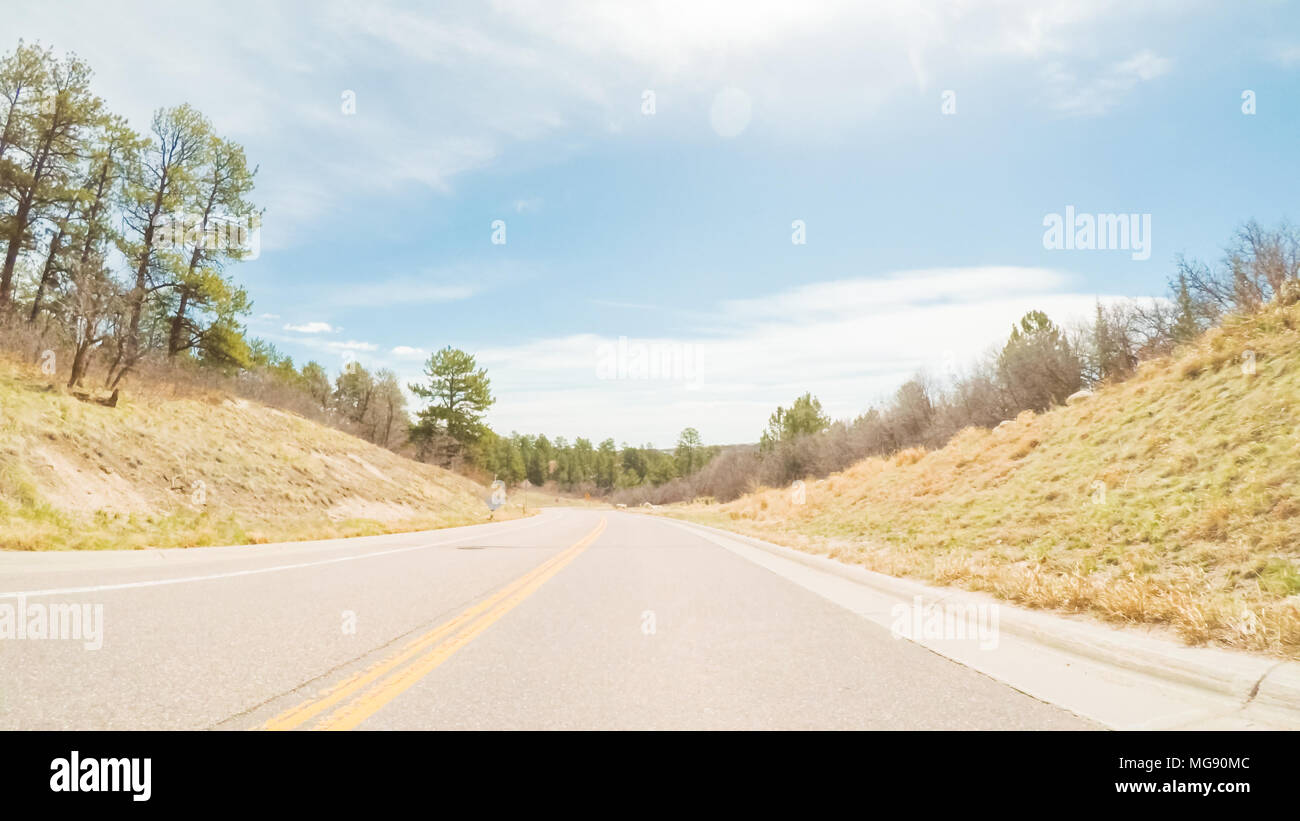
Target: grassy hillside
(1172, 498)
(201, 469)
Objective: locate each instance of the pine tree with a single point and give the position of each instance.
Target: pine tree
(459, 393)
(803, 417)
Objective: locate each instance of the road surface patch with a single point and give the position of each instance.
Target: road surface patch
(360, 696)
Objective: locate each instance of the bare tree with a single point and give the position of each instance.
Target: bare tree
(1256, 268)
(95, 307)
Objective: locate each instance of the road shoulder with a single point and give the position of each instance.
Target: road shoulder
(1119, 678)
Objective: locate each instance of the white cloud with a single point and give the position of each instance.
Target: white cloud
(850, 342)
(406, 352)
(312, 328)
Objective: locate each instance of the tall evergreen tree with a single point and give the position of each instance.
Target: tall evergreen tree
(458, 393)
(160, 181)
(803, 417)
(46, 135)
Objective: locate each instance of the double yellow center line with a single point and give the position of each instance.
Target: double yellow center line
(353, 700)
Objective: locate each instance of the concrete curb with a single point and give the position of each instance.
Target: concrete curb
(1269, 683)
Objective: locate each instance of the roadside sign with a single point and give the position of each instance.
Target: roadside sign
(498, 496)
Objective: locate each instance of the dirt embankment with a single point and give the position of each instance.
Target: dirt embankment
(161, 471)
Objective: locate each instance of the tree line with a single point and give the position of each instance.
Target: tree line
(116, 243)
(450, 431)
(1038, 366)
(580, 466)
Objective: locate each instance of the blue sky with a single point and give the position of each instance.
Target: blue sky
(924, 230)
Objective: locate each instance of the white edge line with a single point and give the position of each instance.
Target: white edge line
(66, 591)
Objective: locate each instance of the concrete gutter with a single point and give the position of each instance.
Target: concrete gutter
(1086, 666)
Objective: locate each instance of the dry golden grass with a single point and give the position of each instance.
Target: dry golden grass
(1168, 499)
(200, 468)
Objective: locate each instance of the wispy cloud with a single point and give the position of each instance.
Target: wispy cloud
(352, 345)
(449, 283)
(399, 291)
(1076, 96)
(312, 328)
(1287, 56)
(868, 296)
(462, 85)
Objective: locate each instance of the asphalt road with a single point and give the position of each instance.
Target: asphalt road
(574, 619)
